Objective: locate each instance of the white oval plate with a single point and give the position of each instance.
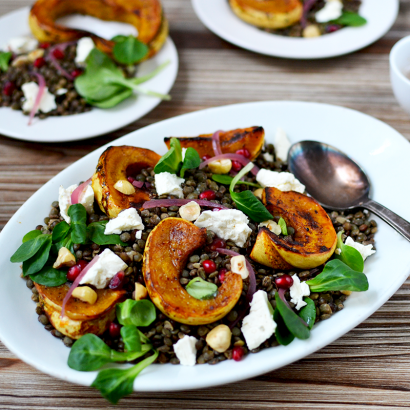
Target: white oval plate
(369, 142)
(219, 18)
(97, 121)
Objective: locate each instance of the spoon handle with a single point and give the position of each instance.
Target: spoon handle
(394, 220)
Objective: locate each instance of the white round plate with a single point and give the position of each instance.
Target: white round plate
(219, 18)
(97, 121)
(368, 141)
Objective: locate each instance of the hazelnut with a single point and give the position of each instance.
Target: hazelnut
(65, 259)
(20, 61)
(238, 265)
(35, 54)
(125, 187)
(346, 292)
(311, 31)
(86, 294)
(190, 212)
(258, 193)
(219, 338)
(222, 166)
(140, 292)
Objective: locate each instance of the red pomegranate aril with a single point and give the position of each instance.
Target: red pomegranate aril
(44, 46)
(209, 266)
(39, 62)
(244, 152)
(131, 179)
(115, 330)
(238, 353)
(208, 195)
(284, 281)
(222, 274)
(206, 157)
(58, 54)
(117, 280)
(76, 73)
(236, 166)
(217, 243)
(8, 88)
(82, 264)
(73, 272)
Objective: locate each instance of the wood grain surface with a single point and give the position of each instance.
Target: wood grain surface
(369, 368)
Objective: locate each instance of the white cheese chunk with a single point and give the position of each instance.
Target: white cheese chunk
(64, 201)
(106, 267)
(298, 291)
(272, 226)
(284, 181)
(184, 150)
(167, 183)
(84, 47)
(228, 224)
(47, 102)
(61, 91)
(268, 157)
(138, 235)
(126, 221)
(87, 199)
(259, 325)
(282, 145)
(185, 350)
(332, 10)
(365, 250)
(22, 45)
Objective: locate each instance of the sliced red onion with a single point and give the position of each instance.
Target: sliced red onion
(39, 96)
(54, 61)
(79, 192)
(77, 282)
(138, 184)
(216, 145)
(179, 202)
(306, 8)
(281, 293)
(235, 157)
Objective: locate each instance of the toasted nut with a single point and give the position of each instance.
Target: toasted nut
(311, 31)
(272, 226)
(238, 265)
(219, 338)
(20, 60)
(222, 166)
(346, 292)
(65, 259)
(125, 187)
(258, 193)
(190, 212)
(140, 292)
(86, 294)
(34, 55)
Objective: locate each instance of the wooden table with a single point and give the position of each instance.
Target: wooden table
(369, 367)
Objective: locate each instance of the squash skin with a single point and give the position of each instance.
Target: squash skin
(251, 138)
(113, 165)
(315, 237)
(145, 15)
(167, 250)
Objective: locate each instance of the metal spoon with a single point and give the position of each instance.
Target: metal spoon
(337, 182)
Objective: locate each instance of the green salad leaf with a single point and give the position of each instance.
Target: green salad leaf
(349, 18)
(283, 226)
(78, 224)
(31, 235)
(191, 160)
(129, 50)
(282, 334)
(60, 231)
(95, 232)
(227, 180)
(308, 313)
(171, 161)
(201, 289)
(48, 276)
(29, 248)
(349, 255)
(5, 57)
(37, 262)
(136, 312)
(131, 338)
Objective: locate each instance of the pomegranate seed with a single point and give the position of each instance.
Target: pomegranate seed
(39, 62)
(244, 152)
(236, 166)
(331, 28)
(8, 88)
(131, 179)
(82, 264)
(58, 54)
(284, 281)
(237, 353)
(73, 272)
(76, 73)
(115, 330)
(209, 266)
(222, 274)
(206, 157)
(208, 195)
(44, 46)
(117, 280)
(217, 243)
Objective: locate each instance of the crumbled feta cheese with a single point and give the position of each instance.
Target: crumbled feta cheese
(228, 224)
(183, 153)
(238, 265)
(268, 157)
(87, 199)
(106, 267)
(125, 221)
(332, 10)
(138, 235)
(284, 181)
(365, 250)
(338, 251)
(84, 47)
(64, 200)
(297, 291)
(272, 226)
(166, 183)
(259, 325)
(282, 145)
(47, 102)
(61, 91)
(22, 45)
(185, 350)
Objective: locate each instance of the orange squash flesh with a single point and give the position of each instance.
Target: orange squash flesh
(167, 250)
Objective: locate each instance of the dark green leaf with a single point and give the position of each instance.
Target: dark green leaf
(338, 276)
(308, 313)
(136, 312)
(37, 262)
(60, 231)
(201, 289)
(29, 249)
(349, 18)
(191, 160)
(78, 216)
(247, 202)
(349, 255)
(95, 231)
(119, 38)
(283, 226)
(227, 180)
(283, 336)
(31, 235)
(131, 338)
(171, 161)
(4, 60)
(48, 276)
(291, 320)
(129, 50)
(113, 100)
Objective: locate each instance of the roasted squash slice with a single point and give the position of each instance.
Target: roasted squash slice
(80, 317)
(167, 250)
(272, 14)
(314, 239)
(250, 138)
(145, 15)
(115, 164)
